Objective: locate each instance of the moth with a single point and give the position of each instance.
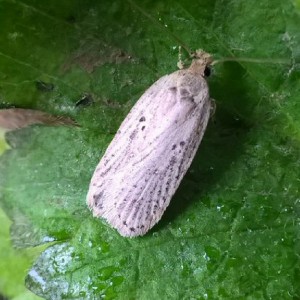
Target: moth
(144, 164)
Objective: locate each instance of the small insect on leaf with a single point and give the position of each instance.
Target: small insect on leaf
(144, 164)
(44, 86)
(85, 100)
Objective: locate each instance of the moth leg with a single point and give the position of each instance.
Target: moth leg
(213, 107)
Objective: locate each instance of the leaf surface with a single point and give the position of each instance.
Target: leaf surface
(232, 229)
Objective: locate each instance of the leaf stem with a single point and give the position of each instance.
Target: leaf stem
(253, 60)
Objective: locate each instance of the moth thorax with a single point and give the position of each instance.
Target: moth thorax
(201, 61)
(198, 67)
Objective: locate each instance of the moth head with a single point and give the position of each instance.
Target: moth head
(201, 62)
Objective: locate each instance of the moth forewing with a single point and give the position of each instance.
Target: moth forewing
(152, 150)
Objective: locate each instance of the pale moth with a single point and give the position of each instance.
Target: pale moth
(152, 150)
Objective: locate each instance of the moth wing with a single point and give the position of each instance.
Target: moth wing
(139, 125)
(142, 168)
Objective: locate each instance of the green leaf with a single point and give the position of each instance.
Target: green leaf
(3, 144)
(14, 265)
(232, 229)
